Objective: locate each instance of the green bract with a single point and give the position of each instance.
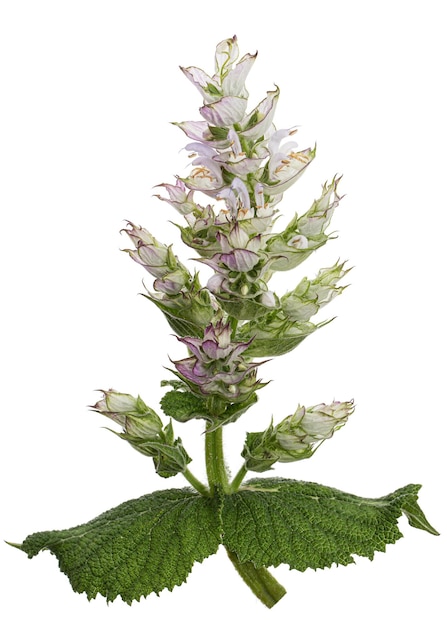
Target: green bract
(243, 164)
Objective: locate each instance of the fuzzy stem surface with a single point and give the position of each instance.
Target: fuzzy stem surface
(196, 483)
(265, 586)
(237, 480)
(215, 462)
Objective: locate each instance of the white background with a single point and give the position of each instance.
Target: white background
(89, 89)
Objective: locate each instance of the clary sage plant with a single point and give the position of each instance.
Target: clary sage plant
(243, 164)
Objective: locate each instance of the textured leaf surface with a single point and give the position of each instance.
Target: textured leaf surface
(273, 338)
(178, 319)
(307, 525)
(139, 547)
(183, 406)
(274, 346)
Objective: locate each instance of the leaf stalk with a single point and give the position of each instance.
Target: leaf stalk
(196, 483)
(237, 480)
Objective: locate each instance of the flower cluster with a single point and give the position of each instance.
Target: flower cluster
(296, 437)
(217, 367)
(238, 283)
(171, 277)
(179, 295)
(310, 295)
(242, 162)
(241, 165)
(143, 429)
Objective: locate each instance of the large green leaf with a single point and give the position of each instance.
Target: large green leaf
(149, 544)
(139, 547)
(306, 525)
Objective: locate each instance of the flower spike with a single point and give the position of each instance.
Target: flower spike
(244, 165)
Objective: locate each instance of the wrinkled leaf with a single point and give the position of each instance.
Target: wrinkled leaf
(139, 547)
(307, 525)
(184, 406)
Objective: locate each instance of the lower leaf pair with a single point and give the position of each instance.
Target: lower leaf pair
(146, 545)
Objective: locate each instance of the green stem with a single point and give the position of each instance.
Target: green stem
(261, 582)
(195, 482)
(234, 326)
(215, 463)
(265, 586)
(237, 480)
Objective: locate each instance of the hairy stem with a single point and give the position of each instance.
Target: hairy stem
(195, 482)
(265, 586)
(215, 463)
(237, 480)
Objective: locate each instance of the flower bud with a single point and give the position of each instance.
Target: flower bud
(312, 425)
(313, 223)
(132, 414)
(296, 437)
(159, 260)
(168, 453)
(310, 295)
(187, 311)
(143, 429)
(238, 283)
(304, 234)
(217, 367)
(179, 197)
(172, 282)
(155, 257)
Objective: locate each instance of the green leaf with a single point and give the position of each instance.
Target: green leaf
(274, 346)
(141, 546)
(183, 406)
(235, 410)
(175, 384)
(275, 335)
(186, 315)
(242, 308)
(416, 517)
(307, 525)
